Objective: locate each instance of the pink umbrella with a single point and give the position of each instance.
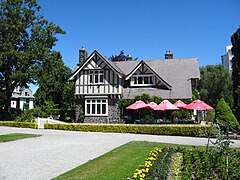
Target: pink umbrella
(151, 105)
(165, 105)
(137, 105)
(198, 105)
(179, 104)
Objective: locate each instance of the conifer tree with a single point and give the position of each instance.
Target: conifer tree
(225, 117)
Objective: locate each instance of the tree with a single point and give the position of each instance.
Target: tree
(225, 117)
(52, 79)
(121, 57)
(215, 83)
(235, 38)
(25, 40)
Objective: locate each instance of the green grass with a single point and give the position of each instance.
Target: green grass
(16, 136)
(119, 163)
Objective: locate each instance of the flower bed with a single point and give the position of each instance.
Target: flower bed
(188, 164)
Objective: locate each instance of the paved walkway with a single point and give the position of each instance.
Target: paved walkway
(56, 151)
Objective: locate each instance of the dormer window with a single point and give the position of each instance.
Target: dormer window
(95, 77)
(142, 80)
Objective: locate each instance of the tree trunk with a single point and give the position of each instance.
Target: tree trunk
(8, 91)
(8, 104)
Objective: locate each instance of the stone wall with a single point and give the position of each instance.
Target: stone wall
(113, 113)
(113, 108)
(79, 103)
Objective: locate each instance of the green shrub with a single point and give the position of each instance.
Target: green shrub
(225, 117)
(25, 116)
(182, 114)
(19, 124)
(183, 130)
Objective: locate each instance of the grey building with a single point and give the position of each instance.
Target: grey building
(227, 59)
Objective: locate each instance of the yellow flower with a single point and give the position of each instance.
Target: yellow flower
(147, 170)
(135, 176)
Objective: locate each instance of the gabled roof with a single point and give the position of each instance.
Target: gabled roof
(107, 61)
(140, 63)
(176, 75)
(175, 72)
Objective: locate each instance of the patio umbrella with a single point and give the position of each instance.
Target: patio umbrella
(198, 105)
(137, 105)
(165, 105)
(151, 105)
(179, 104)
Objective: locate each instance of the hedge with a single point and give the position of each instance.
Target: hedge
(19, 124)
(176, 130)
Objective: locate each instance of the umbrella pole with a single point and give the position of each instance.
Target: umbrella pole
(139, 114)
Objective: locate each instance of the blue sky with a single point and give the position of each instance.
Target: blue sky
(144, 28)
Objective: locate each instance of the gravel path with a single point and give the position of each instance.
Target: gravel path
(56, 151)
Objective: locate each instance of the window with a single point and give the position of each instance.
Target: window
(95, 77)
(96, 107)
(142, 80)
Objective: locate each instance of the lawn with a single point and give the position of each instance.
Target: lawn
(16, 136)
(119, 163)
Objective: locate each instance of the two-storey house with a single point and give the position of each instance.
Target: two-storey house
(22, 98)
(100, 83)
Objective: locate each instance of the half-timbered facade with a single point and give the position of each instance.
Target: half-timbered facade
(99, 83)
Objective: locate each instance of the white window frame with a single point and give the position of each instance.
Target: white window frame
(96, 103)
(135, 80)
(96, 76)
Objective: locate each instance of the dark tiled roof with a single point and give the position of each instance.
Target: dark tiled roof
(126, 66)
(176, 72)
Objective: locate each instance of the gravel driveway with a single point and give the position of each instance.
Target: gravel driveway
(56, 151)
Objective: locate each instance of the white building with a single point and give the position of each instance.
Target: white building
(22, 98)
(227, 59)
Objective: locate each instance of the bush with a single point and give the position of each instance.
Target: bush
(19, 124)
(182, 114)
(183, 130)
(225, 117)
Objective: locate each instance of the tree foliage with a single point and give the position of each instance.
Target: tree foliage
(235, 38)
(52, 79)
(25, 40)
(121, 57)
(224, 116)
(215, 83)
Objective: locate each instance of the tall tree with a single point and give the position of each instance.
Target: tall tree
(25, 40)
(215, 83)
(52, 79)
(235, 38)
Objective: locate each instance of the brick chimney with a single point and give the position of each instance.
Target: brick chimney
(82, 55)
(168, 55)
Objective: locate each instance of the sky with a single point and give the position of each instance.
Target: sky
(144, 28)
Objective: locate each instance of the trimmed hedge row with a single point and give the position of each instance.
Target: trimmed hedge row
(177, 130)
(19, 124)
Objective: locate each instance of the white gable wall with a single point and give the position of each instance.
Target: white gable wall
(111, 81)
